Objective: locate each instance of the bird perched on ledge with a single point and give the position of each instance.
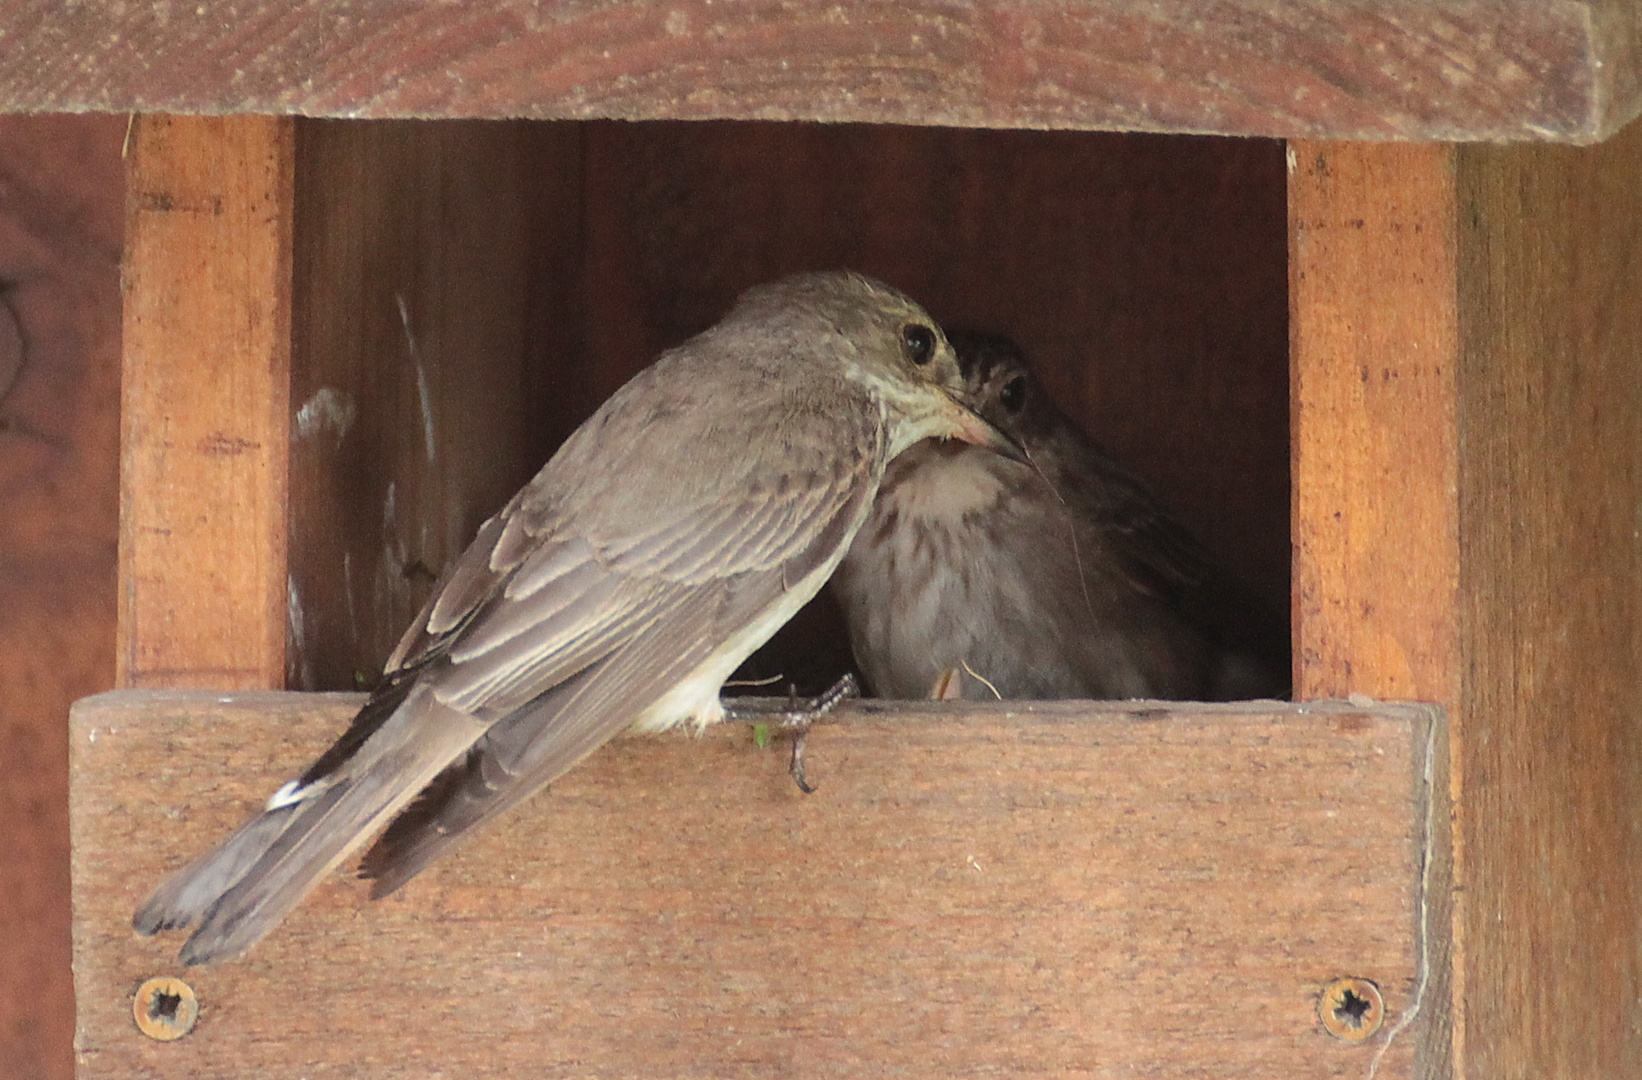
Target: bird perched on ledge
(981, 576)
(669, 537)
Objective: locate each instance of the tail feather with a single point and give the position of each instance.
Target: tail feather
(187, 894)
(240, 891)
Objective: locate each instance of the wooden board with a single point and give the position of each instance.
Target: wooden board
(1548, 742)
(1413, 69)
(1069, 889)
(1376, 544)
(61, 219)
(433, 266)
(204, 406)
(1468, 407)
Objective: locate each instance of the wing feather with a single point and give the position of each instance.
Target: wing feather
(541, 741)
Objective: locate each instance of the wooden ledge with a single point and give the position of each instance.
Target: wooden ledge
(1140, 889)
(1396, 69)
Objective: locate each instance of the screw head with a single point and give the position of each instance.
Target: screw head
(165, 1008)
(1351, 1010)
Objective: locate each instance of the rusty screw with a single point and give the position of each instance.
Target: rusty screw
(1351, 1009)
(165, 1008)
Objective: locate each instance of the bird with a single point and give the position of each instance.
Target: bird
(668, 537)
(977, 575)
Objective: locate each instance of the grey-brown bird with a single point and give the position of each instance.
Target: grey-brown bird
(670, 535)
(1060, 579)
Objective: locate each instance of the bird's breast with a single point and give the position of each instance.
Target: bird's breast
(942, 483)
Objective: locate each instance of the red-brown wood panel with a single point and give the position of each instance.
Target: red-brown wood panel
(205, 393)
(1413, 69)
(436, 272)
(1468, 408)
(1018, 890)
(60, 230)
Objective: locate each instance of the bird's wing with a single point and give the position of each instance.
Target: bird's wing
(682, 632)
(1155, 552)
(541, 599)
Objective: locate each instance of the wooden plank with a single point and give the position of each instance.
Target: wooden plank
(1550, 419)
(61, 216)
(1484, 554)
(1374, 339)
(1143, 889)
(1410, 69)
(433, 266)
(204, 403)
(1374, 333)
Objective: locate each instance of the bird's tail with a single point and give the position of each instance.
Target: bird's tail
(243, 888)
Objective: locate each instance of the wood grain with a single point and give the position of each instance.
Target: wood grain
(434, 267)
(61, 216)
(1467, 532)
(1374, 336)
(204, 403)
(1374, 333)
(1550, 498)
(1072, 889)
(1410, 69)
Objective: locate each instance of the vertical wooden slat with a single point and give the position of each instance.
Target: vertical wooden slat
(204, 403)
(1373, 329)
(1373, 324)
(1550, 431)
(1468, 412)
(432, 260)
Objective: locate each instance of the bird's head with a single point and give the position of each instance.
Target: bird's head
(890, 345)
(1000, 386)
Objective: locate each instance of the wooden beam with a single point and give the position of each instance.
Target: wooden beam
(205, 402)
(1374, 338)
(1407, 69)
(1147, 889)
(1467, 411)
(1550, 733)
(1374, 342)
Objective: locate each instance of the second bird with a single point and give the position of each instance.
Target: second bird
(976, 575)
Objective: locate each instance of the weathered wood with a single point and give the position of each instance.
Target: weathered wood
(1376, 547)
(1485, 552)
(205, 418)
(1412, 69)
(431, 270)
(1140, 889)
(1374, 357)
(1550, 495)
(61, 216)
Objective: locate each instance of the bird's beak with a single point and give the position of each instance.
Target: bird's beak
(972, 429)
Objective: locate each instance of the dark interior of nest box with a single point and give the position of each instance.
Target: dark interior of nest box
(467, 292)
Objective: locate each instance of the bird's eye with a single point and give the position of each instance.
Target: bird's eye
(1013, 394)
(919, 342)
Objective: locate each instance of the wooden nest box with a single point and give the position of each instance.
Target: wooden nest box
(381, 257)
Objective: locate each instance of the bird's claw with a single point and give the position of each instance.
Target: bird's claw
(797, 718)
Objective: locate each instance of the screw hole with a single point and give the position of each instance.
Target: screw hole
(1351, 1010)
(165, 1008)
